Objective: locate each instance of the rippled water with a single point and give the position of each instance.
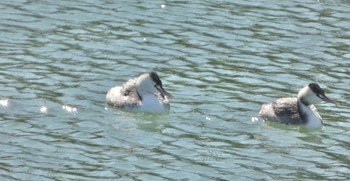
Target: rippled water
(221, 59)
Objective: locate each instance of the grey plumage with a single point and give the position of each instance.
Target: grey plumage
(284, 110)
(127, 97)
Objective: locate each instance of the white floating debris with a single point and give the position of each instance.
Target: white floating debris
(69, 108)
(257, 120)
(4, 102)
(207, 118)
(43, 109)
(162, 6)
(144, 39)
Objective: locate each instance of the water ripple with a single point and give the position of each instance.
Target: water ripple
(220, 59)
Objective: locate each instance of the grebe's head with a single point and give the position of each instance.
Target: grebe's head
(150, 83)
(312, 94)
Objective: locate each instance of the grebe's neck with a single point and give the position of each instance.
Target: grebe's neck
(302, 110)
(308, 115)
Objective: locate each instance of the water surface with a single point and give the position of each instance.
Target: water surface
(220, 59)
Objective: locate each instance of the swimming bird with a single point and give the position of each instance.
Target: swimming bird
(144, 93)
(299, 110)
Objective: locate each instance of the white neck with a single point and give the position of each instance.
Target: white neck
(151, 103)
(310, 115)
(143, 93)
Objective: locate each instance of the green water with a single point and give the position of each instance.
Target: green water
(220, 59)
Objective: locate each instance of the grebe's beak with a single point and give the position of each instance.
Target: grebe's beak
(164, 93)
(326, 99)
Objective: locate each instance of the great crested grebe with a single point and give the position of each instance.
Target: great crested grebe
(299, 110)
(144, 93)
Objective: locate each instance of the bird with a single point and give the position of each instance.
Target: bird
(298, 110)
(144, 93)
